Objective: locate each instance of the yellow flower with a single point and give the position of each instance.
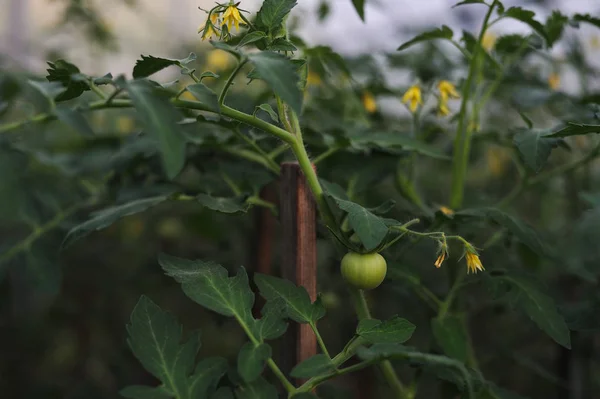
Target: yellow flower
(443, 109)
(232, 16)
(554, 81)
(447, 90)
(488, 41)
(208, 31)
(369, 102)
(473, 262)
(446, 211)
(313, 79)
(218, 60)
(440, 259)
(413, 96)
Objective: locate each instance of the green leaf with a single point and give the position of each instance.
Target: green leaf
(206, 375)
(370, 228)
(382, 351)
(280, 44)
(313, 366)
(208, 74)
(525, 293)
(104, 218)
(298, 306)
(359, 6)
(226, 47)
(439, 33)
(394, 330)
(63, 71)
(269, 110)
(272, 324)
(519, 228)
(534, 147)
(587, 18)
(251, 38)
(149, 65)
(526, 16)
(259, 389)
(223, 393)
(160, 119)
(272, 12)
(145, 392)
(464, 2)
(223, 204)
(74, 120)
(206, 96)
(555, 25)
(281, 75)
(154, 338)
(385, 140)
(49, 89)
(450, 334)
(251, 360)
(573, 129)
(209, 285)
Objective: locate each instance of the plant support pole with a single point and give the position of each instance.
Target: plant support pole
(299, 261)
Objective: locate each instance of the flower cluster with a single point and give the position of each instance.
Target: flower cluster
(471, 255)
(413, 97)
(221, 19)
(447, 91)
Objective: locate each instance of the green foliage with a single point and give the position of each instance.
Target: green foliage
(205, 96)
(394, 330)
(251, 360)
(359, 6)
(524, 292)
(313, 366)
(280, 74)
(439, 33)
(65, 73)
(160, 118)
(450, 334)
(149, 65)
(298, 305)
(535, 147)
(272, 13)
(154, 338)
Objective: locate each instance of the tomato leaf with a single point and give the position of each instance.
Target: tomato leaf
(359, 6)
(587, 18)
(450, 334)
(524, 292)
(251, 360)
(313, 366)
(104, 218)
(75, 120)
(209, 285)
(160, 119)
(251, 38)
(534, 147)
(574, 129)
(149, 65)
(145, 392)
(281, 76)
(439, 33)
(223, 204)
(370, 228)
(526, 16)
(206, 96)
(272, 12)
(259, 389)
(394, 330)
(298, 305)
(154, 338)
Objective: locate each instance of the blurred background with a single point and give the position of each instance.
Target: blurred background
(63, 316)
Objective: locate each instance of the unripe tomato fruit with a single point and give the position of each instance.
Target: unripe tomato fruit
(364, 271)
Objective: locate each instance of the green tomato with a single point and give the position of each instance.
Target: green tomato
(364, 271)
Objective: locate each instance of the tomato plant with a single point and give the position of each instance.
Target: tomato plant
(477, 194)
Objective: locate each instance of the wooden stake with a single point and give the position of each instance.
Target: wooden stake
(299, 264)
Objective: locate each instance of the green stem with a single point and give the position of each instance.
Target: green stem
(268, 161)
(39, 231)
(462, 141)
(320, 340)
(96, 90)
(230, 81)
(261, 202)
(272, 365)
(253, 157)
(326, 154)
